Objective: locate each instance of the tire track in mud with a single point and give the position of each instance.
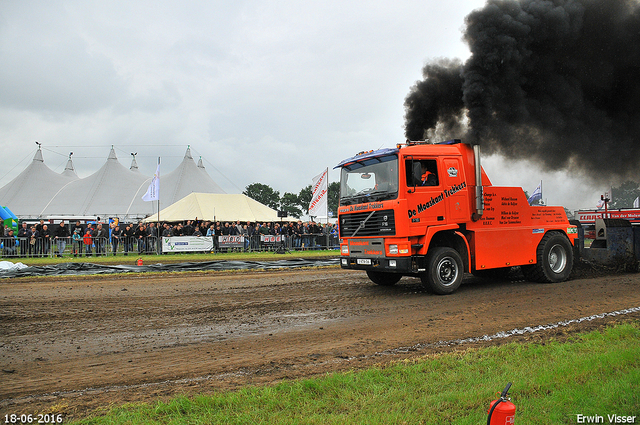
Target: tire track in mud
(130, 339)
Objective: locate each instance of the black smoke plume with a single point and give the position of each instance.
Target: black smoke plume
(555, 81)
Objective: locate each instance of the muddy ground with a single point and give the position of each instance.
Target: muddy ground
(74, 345)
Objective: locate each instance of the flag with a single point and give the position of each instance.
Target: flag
(636, 203)
(537, 194)
(600, 204)
(319, 195)
(153, 191)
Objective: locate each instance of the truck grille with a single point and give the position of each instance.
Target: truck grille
(381, 223)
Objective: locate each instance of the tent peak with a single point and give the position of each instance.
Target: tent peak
(69, 166)
(134, 163)
(69, 170)
(187, 154)
(200, 164)
(38, 155)
(112, 154)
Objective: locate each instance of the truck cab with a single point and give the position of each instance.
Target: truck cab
(430, 211)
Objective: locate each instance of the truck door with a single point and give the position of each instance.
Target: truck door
(455, 190)
(425, 200)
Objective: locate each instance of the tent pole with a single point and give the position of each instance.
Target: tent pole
(159, 238)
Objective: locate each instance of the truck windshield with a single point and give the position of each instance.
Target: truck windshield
(372, 179)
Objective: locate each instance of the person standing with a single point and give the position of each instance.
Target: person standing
(76, 242)
(101, 238)
(127, 239)
(33, 241)
(61, 236)
(152, 238)
(45, 240)
(116, 234)
(78, 226)
(23, 238)
(141, 236)
(88, 241)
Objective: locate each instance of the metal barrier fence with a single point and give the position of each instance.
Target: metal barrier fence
(278, 243)
(65, 247)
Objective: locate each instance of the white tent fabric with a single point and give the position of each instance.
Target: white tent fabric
(185, 179)
(112, 191)
(218, 207)
(31, 190)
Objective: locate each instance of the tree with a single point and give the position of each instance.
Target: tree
(624, 195)
(334, 197)
(290, 203)
(263, 194)
(304, 198)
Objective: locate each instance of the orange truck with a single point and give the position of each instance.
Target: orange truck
(430, 211)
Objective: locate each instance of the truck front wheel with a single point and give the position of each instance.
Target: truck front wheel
(444, 272)
(384, 279)
(554, 258)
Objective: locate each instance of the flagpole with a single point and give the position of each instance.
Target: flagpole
(326, 209)
(159, 238)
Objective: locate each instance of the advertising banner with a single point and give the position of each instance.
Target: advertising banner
(270, 239)
(187, 243)
(318, 205)
(230, 241)
(589, 217)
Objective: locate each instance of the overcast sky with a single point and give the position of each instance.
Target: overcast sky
(265, 91)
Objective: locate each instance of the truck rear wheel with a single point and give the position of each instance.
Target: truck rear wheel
(444, 271)
(554, 260)
(383, 278)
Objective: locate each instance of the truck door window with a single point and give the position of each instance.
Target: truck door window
(422, 172)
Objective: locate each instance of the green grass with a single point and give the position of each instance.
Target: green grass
(594, 373)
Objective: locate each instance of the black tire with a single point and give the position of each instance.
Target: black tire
(384, 278)
(554, 260)
(444, 271)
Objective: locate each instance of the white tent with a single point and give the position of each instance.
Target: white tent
(29, 193)
(111, 191)
(185, 179)
(217, 207)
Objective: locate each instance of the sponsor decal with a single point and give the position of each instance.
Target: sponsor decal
(452, 171)
(571, 230)
(436, 200)
(535, 231)
(358, 243)
(362, 207)
(372, 252)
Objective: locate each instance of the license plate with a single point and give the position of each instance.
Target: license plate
(364, 261)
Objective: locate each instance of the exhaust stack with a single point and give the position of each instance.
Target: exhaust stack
(479, 190)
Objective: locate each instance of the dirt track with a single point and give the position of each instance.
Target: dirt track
(73, 345)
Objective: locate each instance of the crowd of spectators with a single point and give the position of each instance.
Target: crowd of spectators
(47, 239)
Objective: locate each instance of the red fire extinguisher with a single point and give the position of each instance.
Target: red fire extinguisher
(139, 262)
(502, 411)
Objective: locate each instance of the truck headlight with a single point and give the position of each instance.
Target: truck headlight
(345, 249)
(393, 249)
